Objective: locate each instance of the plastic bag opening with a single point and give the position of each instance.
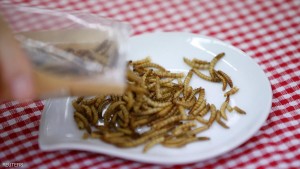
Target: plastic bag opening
(73, 53)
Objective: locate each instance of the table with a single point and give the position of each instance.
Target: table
(268, 31)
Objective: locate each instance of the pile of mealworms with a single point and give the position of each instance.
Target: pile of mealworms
(158, 106)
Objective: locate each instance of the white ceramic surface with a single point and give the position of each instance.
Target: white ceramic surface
(58, 130)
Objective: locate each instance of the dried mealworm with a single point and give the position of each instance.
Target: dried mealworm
(153, 142)
(205, 77)
(190, 117)
(115, 116)
(195, 65)
(88, 113)
(99, 100)
(140, 122)
(186, 104)
(146, 107)
(89, 101)
(231, 91)
(223, 80)
(157, 88)
(167, 121)
(213, 63)
(130, 101)
(144, 77)
(199, 100)
(133, 77)
(178, 92)
(194, 92)
(152, 65)
(118, 141)
(168, 74)
(137, 106)
(151, 86)
(239, 110)
(96, 135)
(102, 107)
(198, 61)
(95, 115)
(229, 108)
(181, 110)
(218, 119)
(79, 123)
(186, 141)
(142, 61)
(150, 111)
(201, 66)
(101, 129)
(174, 140)
(120, 114)
(85, 135)
(120, 123)
(115, 98)
(223, 108)
(139, 71)
(186, 82)
(137, 89)
(189, 92)
(166, 97)
(154, 103)
(169, 85)
(204, 111)
(125, 114)
(188, 61)
(179, 80)
(144, 138)
(201, 94)
(77, 106)
(213, 114)
(164, 111)
(84, 121)
(228, 79)
(113, 134)
(198, 107)
(172, 112)
(201, 120)
(162, 81)
(110, 110)
(113, 105)
(183, 126)
(79, 99)
(197, 130)
(125, 131)
(167, 89)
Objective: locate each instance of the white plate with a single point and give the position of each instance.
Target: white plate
(58, 130)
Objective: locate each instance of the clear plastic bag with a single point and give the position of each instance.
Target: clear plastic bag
(73, 53)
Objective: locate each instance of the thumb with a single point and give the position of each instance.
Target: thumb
(16, 69)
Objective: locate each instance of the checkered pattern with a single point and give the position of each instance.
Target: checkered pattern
(23, 21)
(268, 31)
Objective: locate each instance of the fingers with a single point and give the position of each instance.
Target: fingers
(15, 68)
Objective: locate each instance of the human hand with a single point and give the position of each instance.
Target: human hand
(15, 69)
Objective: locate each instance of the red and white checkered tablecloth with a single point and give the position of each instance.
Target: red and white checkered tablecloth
(268, 31)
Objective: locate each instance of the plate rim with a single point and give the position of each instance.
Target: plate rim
(170, 159)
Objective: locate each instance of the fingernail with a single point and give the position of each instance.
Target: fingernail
(22, 88)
